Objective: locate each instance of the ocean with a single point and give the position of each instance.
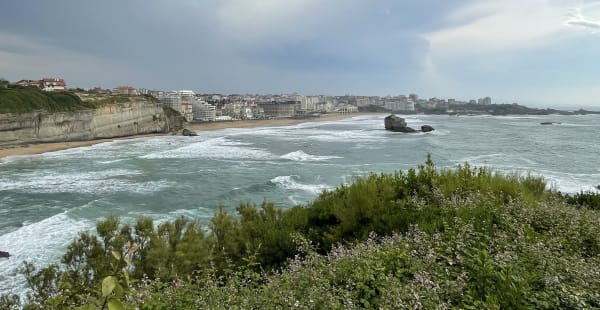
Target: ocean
(46, 199)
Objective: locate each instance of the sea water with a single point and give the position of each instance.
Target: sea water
(46, 199)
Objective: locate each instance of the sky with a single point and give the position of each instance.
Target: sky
(535, 52)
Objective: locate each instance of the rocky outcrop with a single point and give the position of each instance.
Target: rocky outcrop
(4, 254)
(398, 124)
(393, 122)
(427, 128)
(110, 121)
(188, 133)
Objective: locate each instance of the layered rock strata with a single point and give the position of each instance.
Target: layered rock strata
(115, 120)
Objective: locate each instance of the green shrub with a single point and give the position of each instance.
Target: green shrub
(585, 199)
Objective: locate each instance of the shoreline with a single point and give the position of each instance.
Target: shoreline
(40, 148)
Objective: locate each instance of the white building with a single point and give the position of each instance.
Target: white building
(485, 101)
(180, 101)
(204, 111)
(346, 108)
(396, 105)
(52, 84)
(325, 107)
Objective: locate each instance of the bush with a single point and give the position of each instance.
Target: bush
(588, 199)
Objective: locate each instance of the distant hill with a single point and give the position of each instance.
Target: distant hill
(497, 109)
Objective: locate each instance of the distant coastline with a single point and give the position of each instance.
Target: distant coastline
(478, 109)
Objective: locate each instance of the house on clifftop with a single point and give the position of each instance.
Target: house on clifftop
(53, 84)
(45, 84)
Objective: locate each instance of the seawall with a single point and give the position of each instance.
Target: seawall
(110, 121)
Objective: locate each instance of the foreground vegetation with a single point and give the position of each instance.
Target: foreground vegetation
(466, 238)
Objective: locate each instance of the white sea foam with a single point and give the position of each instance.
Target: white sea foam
(104, 181)
(294, 200)
(79, 152)
(318, 132)
(562, 181)
(575, 125)
(289, 182)
(217, 148)
(572, 186)
(570, 182)
(40, 243)
(345, 136)
(517, 117)
(481, 159)
(111, 161)
(302, 156)
(9, 159)
(438, 132)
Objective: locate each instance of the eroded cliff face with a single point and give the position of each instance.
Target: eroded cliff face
(116, 120)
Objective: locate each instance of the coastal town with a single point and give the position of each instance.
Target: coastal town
(197, 107)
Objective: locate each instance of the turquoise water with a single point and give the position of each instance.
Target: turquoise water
(46, 199)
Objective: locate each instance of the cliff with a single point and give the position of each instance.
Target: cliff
(108, 121)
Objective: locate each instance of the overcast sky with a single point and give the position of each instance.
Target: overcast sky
(536, 52)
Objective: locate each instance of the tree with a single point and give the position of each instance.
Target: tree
(4, 83)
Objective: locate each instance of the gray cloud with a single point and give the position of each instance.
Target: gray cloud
(229, 45)
(311, 46)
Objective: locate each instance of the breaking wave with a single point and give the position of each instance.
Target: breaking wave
(41, 243)
(289, 182)
(301, 156)
(217, 148)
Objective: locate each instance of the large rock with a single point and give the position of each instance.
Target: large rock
(427, 128)
(398, 124)
(405, 129)
(394, 122)
(4, 254)
(188, 133)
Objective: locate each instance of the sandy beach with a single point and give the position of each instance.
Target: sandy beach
(30, 149)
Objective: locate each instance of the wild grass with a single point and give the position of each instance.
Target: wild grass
(18, 99)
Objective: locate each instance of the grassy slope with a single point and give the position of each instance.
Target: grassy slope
(18, 99)
(26, 99)
(466, 238)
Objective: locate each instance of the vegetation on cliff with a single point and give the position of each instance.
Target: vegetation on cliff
(19, 99)
(465, 238)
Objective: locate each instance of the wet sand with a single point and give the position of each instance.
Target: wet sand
(29, 149)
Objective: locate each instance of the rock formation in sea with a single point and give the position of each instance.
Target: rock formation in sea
(188, 133)
(398, 124)
(550, 123)
(427, 128)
